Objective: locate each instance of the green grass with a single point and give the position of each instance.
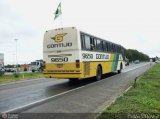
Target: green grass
(17, 77)
(143, 99)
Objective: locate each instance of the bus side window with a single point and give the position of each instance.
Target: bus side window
(107, 47)
(87, 42)
(114, 48)
(95, 41)
(93, 46)
(118, 49)
(121, 50)
(111, 48)
(99, 45)
(82, 42)
(103, 46)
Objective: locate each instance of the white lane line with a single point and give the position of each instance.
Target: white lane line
(27, 105)
(42, 100)
(21, 81)
(127, 70)
(39, 101)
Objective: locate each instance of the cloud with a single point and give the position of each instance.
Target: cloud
(13, 27)
(133, 24)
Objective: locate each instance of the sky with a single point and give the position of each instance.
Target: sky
(135, 24)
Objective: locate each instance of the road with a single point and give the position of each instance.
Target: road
(60, 96)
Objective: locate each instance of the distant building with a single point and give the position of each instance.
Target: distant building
(25, 67)
(1, 60)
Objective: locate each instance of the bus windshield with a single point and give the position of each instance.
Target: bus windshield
(33, 63)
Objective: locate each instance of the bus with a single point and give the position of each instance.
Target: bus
(70, 53)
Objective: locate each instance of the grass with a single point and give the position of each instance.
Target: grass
(19, 76)
(141, 101)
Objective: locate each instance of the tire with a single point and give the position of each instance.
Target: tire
(119, 71)
(98, 73)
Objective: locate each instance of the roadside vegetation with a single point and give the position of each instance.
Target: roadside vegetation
(141, 101)
(133, 55)
(20, 76)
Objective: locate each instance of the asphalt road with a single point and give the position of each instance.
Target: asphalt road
(60, 96)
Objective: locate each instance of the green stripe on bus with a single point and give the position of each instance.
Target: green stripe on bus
(115, 62)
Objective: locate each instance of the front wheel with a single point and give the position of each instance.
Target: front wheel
(119, 71)
(98, 73)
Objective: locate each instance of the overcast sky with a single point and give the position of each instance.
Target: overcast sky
(135, 24)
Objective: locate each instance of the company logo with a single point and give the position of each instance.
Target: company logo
(59, 37)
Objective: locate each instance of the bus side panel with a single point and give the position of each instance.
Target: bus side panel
(87, 68)
(91, 69)
(115, 62)
(92, 59)
(107, 66)
(120, 62)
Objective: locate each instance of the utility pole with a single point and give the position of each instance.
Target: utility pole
(16, 56)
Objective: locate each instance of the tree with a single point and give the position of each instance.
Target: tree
(133, 55)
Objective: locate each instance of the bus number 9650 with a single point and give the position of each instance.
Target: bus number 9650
(59, 59)
(87, 56)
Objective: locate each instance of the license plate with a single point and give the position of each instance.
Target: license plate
(59, 65)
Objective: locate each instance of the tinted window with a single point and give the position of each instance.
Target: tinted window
(87, 42)
(82, 41)
(33, 63)
(93, 43)
(104, 46)
(99, 45)
(114, 48)
(111, 47)
(108, 47)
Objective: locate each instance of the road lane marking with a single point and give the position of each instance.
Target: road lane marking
(21, 81)
(51, 97)
(42, 100)
(133, 68)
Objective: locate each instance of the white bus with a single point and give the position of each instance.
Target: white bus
(73, 54)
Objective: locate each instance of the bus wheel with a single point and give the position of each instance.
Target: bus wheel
(98, 73)
(33, 70)
(119, 71)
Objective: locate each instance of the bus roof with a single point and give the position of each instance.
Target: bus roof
(85, 33)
